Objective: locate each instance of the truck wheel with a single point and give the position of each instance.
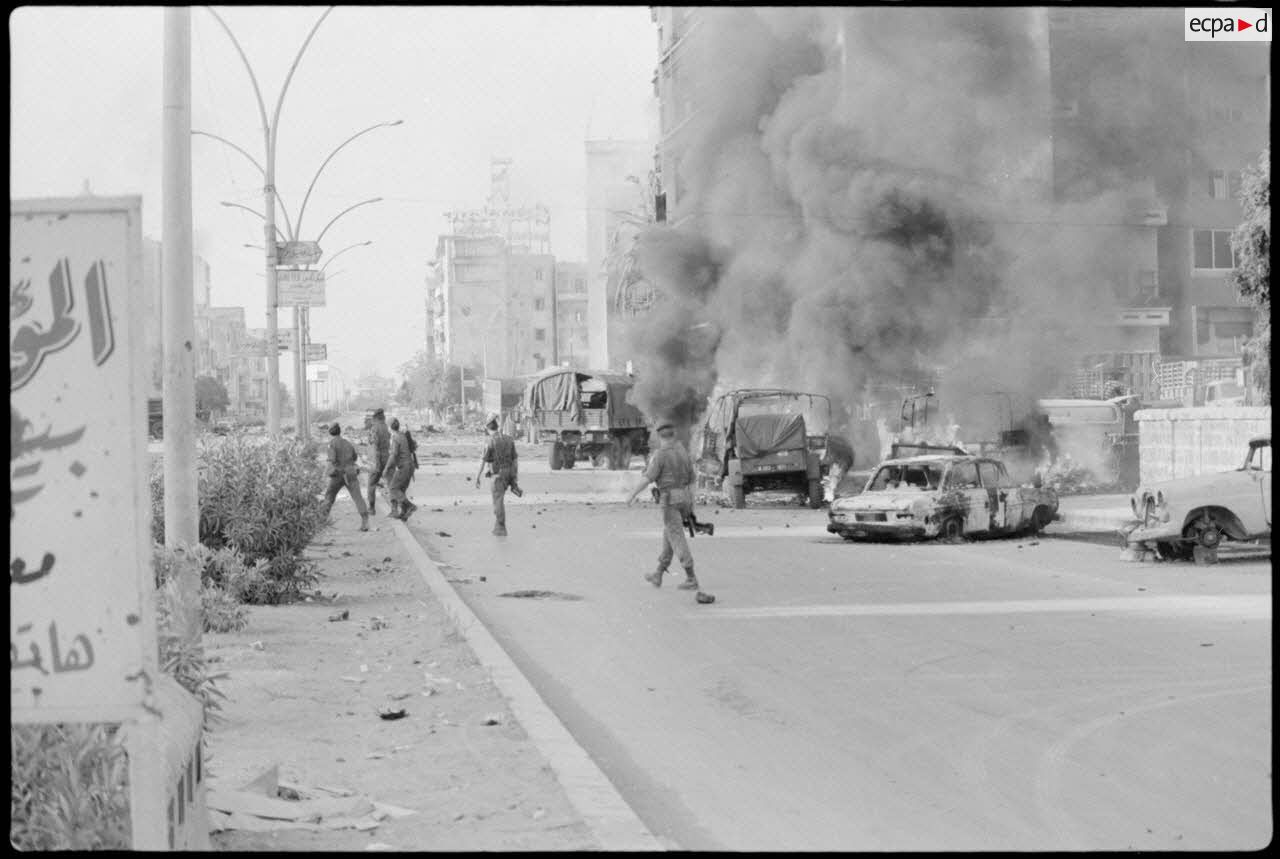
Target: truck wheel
(815, 494)
(607, 458)
(555, 456)
(738, 496)
(953, 530)
(624, 453)
(568, 456)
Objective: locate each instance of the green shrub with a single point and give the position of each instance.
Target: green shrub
(263, 499)
(69, 788)
(182, 657)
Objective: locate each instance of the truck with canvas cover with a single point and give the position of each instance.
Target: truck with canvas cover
(764, 439)
(584, 415)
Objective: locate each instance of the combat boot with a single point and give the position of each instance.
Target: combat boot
(364, 521)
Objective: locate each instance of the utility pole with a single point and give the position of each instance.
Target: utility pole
(181, 506)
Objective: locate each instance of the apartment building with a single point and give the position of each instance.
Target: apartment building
(572, 341)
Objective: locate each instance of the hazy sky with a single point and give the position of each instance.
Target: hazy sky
(529, 83)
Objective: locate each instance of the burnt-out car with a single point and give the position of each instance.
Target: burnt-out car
(941, 495)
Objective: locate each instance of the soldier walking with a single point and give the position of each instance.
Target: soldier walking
(501, 458)
(671, 470)
(342, 472)
(401, 462)
(381, 439)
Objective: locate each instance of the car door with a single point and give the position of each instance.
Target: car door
(1260, 470)
(1004, 507)
(963, 484)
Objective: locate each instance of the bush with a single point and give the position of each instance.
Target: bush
(224, 581)
(262, 499)
(183, 658)
(68, 788)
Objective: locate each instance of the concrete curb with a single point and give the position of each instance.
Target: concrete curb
(608, 816)
(1092, 521)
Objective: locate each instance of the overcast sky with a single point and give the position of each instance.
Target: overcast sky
(529, 83)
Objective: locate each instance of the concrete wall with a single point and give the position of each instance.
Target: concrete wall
(1182, 442)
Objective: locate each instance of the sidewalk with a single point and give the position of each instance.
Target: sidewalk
(304, 688)
(1092, 513)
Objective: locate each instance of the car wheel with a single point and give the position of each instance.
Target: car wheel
(1205, 532)
(815, 494)
(952, 530)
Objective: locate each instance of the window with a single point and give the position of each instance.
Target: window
(1225, 184)
(540, 334)
(579, 285)
(1212, 249)
(539, 304)
(964, 475)
(991, 476)
(577, 316)
(537, 274)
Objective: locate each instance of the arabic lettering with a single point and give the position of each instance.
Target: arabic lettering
(22, 443)
(18, 574)
(30, 342)
(79, 657)
(101, 334)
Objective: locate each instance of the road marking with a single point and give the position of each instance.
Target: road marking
(747, 531)
(1236, 605)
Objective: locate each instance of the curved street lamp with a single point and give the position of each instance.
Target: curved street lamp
(270, 131)
(344, 250)
(326, 161)
(343, 212)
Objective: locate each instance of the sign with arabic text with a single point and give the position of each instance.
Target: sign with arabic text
(300, 288)
(82, 640)
(297, 253)
(317, 351)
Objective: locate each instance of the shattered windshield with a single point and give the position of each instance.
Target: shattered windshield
(816, 410)
(922, 477)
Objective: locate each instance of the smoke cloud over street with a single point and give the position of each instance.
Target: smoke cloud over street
(869, 192)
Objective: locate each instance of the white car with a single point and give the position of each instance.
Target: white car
(1189, 517)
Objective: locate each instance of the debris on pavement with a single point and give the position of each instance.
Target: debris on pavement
(443, 534)
(342, 615)
(352, 679)
(266, 804)
(704, 599)
(256, 645)
(492, 719)
(379, 622)
(389, 713)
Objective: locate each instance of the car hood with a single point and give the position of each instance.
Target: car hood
(1193, 485)
(884, 500)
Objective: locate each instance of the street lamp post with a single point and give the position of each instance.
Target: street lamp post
(270, 130)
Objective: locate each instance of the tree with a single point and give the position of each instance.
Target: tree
(1251, 243)
(211, 397)
(428, 383)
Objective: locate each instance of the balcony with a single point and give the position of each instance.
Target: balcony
(1143, 317)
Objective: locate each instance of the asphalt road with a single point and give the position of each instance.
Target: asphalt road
(1001, 695)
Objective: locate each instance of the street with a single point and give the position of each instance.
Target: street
(1010, 694)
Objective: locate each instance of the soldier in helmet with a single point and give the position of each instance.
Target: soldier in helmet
(671, 470)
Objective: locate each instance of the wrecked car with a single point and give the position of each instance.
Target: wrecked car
(1188, 518)
(941, 495)
(764, 439)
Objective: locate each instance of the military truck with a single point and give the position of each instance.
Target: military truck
(584, 416)
(763, 439)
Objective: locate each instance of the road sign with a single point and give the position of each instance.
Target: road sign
(299, 288)
(317, 352)
(297, 253)
(284, 339)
